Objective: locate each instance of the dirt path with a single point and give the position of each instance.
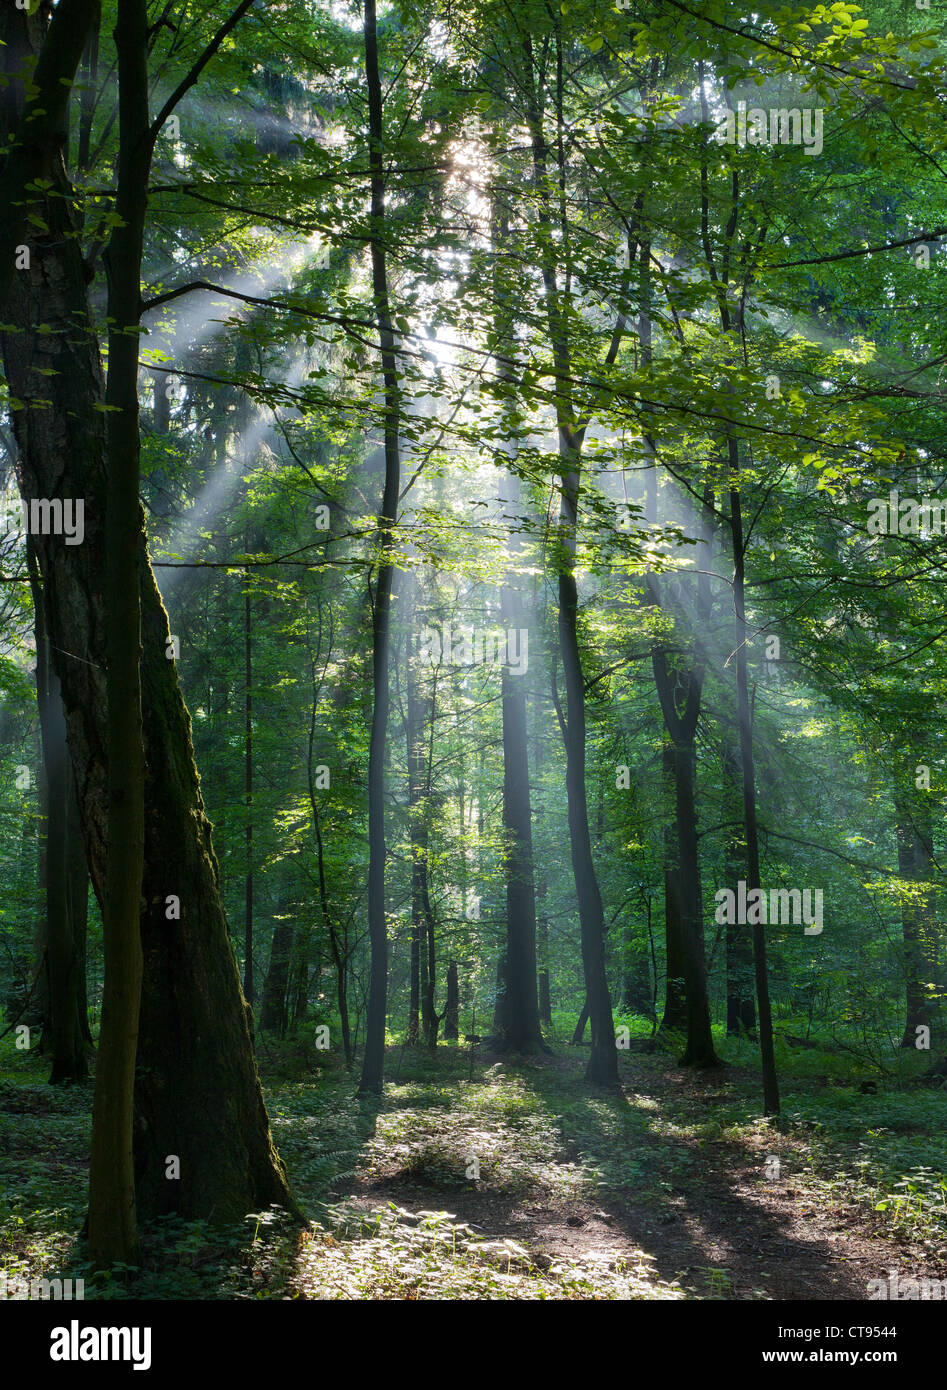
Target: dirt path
(724, 1229)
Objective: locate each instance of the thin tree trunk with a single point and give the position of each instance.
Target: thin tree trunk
(733, 325)
(674, 1016)
(603, 1060)
(915, 840)
(521, 1026)
(248, 989)
(741, 1009)
(545, 996)
(748, 769)
(542, 924)
(274, 1015)
(373, 1062)
(636, 974)
(430, 1018)
(63, 952)
(38, 1014)
(414, 992)
(417, 813)
(113, 1230)
(339, 950)
(579, 1031)
(452, 1006)
(517, 1023)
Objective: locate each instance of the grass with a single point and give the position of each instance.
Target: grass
(395, 1190)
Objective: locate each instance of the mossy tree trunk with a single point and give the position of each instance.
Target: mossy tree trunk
(197, 1092)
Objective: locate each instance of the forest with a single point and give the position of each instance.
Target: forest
(473, 535)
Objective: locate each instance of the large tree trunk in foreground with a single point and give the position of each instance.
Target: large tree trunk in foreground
(197, 1093)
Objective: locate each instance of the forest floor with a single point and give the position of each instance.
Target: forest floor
(482, 1178)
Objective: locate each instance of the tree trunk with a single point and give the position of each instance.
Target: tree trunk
(545, 997)
(699, 1051)
(915, 839)
(37, 1014)
(452, 1006)
(299, 982)
(64, 930)
(430, 1018)
(500, 999)
(603, 1060)
(748, 770)
(77, 900)
(414, 991)
(521, 1030)
(517, 1022)
(274, 1017)
(113, 1230)
(674, 1017)
(635, 975)
(248, 989)
(64, 905)
(542, 926)
(373, 1062)
(732, 324)
(417, 813)
(741, 1009)
(579, 1031)
(679, 681)
(197, 1093)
